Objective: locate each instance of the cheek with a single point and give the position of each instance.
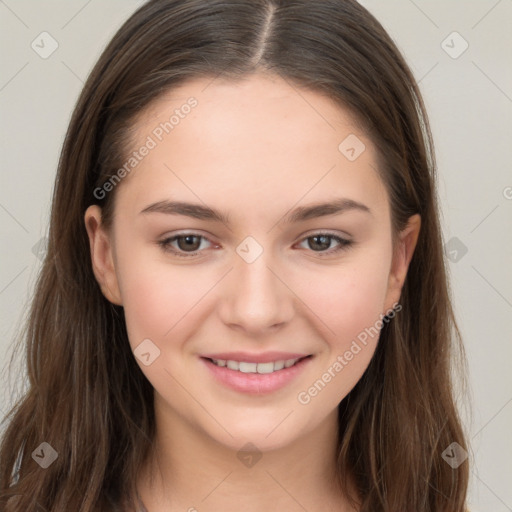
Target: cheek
(347, 299)
(349, 308)
(156, 297)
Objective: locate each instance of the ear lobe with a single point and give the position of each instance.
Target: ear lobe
(102, 255)
(402, 257)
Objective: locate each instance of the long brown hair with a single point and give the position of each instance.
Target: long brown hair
(88, 399)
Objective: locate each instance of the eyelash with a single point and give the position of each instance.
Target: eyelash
(166, 244)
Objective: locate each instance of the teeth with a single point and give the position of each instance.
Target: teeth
(245, 367)
(232, 365)
(248, 367)
(265, 367)
(279, 365)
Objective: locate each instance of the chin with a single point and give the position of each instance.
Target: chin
(264, 437)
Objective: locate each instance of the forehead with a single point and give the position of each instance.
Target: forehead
(250, 103)
(253, 139)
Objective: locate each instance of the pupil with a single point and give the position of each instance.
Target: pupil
(325, 245)
(189, 241)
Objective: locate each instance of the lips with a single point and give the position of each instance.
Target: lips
(255, 373)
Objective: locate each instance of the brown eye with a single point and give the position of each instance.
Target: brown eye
(321, 243)
(187, 244)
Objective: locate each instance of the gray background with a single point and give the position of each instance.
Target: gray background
(469, 99)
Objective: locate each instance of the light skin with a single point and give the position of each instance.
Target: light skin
(255, 150)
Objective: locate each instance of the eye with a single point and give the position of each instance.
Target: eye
(322, 241)
(188, 244)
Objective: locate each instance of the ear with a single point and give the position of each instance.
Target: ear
(401, 258)
(102, 255)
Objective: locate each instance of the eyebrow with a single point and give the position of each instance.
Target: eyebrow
(299, 214)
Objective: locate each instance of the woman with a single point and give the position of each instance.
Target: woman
(244, 300)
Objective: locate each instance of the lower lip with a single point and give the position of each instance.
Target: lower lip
(256, 383)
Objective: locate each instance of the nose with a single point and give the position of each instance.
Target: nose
(256, 298)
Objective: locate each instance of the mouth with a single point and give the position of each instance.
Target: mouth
(260, 368)
(255, 378)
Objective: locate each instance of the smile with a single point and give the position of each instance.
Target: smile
(246, 367)
(253, 377)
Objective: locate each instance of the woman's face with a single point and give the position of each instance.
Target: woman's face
(259, 275)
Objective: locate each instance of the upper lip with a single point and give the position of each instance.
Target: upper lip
(264, 357)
